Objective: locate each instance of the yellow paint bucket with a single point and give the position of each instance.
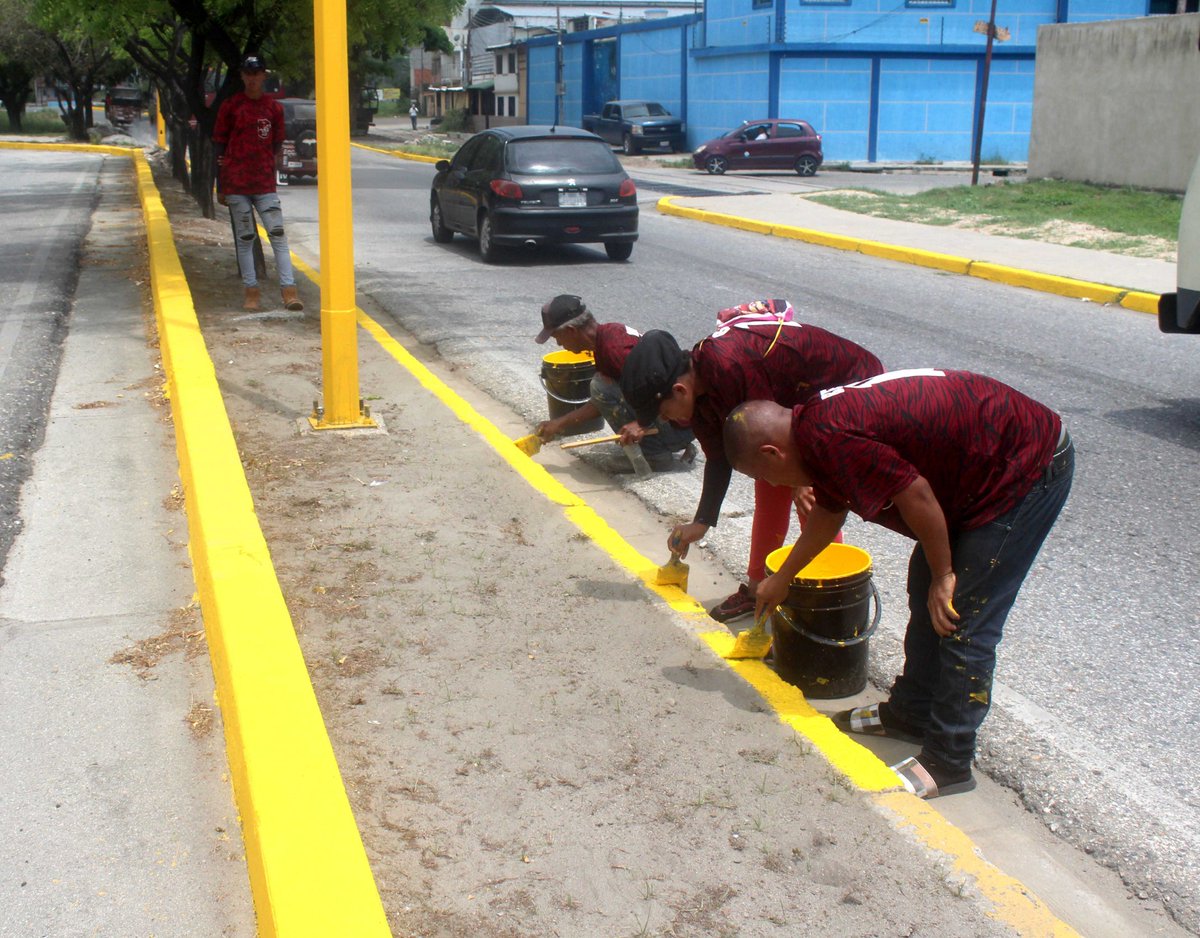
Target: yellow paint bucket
(822, 630)
(567, 377)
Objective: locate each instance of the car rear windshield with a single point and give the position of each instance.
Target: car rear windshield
(547, 157)
(302, 112)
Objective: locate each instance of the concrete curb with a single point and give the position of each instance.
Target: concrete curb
(400, 154)
(1012, 276)
(309, 874)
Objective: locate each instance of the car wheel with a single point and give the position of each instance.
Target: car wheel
(716, 165)
(807, 165)
(441, 234)
(618, 250)
(487, 247)
(629, 146)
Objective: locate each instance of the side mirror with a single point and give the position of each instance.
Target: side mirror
(442, 165)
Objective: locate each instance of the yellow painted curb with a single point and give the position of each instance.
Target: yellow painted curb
(1014, 904)
(308, 870)
(999, 273)
(400, 154)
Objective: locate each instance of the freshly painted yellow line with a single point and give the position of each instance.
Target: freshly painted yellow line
(309, 874)
(1013, 903)
(1013, 276)
(400, 154)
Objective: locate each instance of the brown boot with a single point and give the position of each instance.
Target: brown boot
(251, 301)
(291, 298)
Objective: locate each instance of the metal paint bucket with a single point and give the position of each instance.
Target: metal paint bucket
(567, 377)
(822, 630)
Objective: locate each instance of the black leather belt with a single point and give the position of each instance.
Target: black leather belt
(1061, 458)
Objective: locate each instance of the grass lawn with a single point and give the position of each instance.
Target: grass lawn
(35, 123)
(1122, 220)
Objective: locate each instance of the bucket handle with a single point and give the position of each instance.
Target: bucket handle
(562, 400)
(836, 642)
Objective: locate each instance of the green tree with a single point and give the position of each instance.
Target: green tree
(22, 50)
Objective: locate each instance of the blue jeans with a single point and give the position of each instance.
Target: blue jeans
(946, 686)
(606, 395)
(242, 209)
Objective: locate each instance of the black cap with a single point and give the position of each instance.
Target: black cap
(557, 313)
(253, 63)
(650, 372)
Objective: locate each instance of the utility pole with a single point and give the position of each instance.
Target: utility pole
(987, 67)
(558, 65)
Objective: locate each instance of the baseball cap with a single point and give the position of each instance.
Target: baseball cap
(557, 313)
(253, 63)
(650, 372)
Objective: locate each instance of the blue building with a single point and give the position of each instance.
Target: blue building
(880, 80)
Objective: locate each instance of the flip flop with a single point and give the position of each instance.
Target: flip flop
(866, 721)
(918, 781)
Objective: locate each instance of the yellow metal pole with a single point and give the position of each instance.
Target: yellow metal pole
(339, 335)
(159, 122)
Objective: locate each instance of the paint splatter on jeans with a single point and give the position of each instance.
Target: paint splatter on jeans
(946, 686)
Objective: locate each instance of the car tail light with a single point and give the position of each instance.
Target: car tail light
(506, 189)
(627, 190)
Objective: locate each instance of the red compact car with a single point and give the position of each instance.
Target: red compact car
(773, 143)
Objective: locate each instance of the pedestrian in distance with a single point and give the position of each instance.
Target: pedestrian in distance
(248, 141)
(972, 470)
(567, 320)
(759, 352)
(413, 111)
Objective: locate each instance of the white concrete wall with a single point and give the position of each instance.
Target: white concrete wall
(1118, 102)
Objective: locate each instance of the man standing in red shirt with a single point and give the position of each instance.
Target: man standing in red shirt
(760, 352)
(569, 322)
(971, 469)
(248, 138)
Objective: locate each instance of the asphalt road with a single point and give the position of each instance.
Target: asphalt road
(45, 223)
(1096, 719)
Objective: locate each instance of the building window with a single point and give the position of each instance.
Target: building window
(512, 106)
(500, 107)
(499, 65)
(761, 4)
(512, 63)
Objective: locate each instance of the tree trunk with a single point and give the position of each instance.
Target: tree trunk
(200, 147)
(177, 142)
(14, 110)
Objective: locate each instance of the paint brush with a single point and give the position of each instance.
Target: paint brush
(753, 642)
(673, 573)
(530, 445)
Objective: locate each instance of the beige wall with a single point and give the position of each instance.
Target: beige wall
(1118, 102)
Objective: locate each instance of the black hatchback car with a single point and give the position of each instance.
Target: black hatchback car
(531, 185)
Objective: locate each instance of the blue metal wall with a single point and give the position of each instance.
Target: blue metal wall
(879, 80)
(834, 95)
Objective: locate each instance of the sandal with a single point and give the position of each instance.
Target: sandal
(921, 782)
(870, 721)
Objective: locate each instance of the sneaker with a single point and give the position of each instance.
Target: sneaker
(734, 606)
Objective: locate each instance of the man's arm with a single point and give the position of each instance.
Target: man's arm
(818, 533)
(924, 516)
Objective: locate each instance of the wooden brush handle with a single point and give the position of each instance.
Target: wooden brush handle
(603, 439)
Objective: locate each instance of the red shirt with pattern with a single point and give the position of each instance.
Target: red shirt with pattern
(786, 363)
(980, 444)
(251, 130)
(614, 342)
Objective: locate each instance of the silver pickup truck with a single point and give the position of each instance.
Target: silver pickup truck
(1180, 311)
(637, 125)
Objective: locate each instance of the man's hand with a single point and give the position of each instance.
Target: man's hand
(941, 604)
(632, 432)
(684, 536)
(771, 593)
(803, 498)
(549, 429)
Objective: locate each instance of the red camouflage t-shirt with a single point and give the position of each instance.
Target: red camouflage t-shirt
(980, 444)
(250, 131)
(614, 342)
(764, 361)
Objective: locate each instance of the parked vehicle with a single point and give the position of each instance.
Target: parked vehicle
(299, 156)
(532, 185)
(1180, 311)
(774, 143)
(637, 125)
